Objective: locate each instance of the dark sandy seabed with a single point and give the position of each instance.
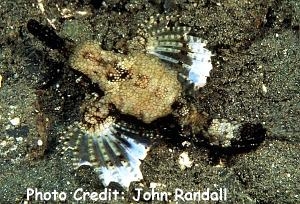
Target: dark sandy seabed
(256, 79)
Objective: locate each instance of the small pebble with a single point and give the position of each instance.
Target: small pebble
(39, 142)
(15, 121)
(184, 161)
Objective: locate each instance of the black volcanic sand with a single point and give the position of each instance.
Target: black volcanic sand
(255, 80)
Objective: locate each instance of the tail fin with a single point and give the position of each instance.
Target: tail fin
(175, 45)
(113, 150)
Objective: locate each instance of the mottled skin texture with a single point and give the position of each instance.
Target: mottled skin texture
(137, 84)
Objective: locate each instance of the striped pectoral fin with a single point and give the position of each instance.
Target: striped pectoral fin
(177, 46)
(114, 152)
(124, 154)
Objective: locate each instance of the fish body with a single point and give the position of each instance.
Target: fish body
(140, 84)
